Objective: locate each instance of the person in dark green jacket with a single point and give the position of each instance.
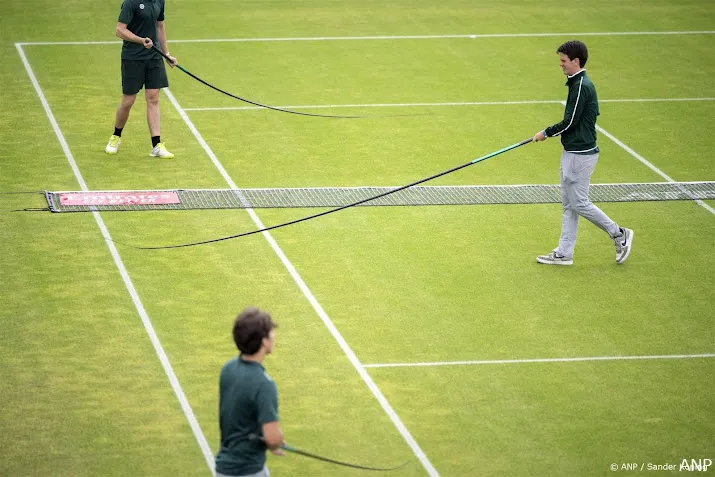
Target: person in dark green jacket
(141, 26)
(248, 400)
(578, 160)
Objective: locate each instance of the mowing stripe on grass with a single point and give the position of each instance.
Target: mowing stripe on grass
(539, 360)
(312, 300)
(394, 37)
(163, 358)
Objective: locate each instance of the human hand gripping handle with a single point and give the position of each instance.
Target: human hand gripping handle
(288, 448)
(172, 61)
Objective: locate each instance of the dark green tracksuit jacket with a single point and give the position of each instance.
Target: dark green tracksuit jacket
(578, 128)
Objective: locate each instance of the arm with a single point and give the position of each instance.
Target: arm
(161, 36)
(126, 15)
(267, 401)
(575, 106)
(273, 435)
(123, 33)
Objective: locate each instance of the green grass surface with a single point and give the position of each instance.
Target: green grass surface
(83, 392)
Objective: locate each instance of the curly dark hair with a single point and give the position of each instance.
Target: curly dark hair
(249, 329)
(575, 49)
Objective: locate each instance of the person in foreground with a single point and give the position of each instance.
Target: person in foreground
(578, 160)
(248, 400)
(141, 26)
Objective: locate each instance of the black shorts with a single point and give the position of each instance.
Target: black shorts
(149, 74)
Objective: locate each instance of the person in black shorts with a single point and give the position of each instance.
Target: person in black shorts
(141, 26)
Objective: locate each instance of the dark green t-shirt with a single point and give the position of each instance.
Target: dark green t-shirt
(141, 16)
(248, 398)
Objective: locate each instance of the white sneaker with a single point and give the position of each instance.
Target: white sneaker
(554, 259)
(113, 144)
(624, 243)
(160, 151)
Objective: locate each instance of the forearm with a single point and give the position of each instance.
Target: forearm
(275, 445)
(161, 36)
(572, 114)
(559, 127)
(273, 435)
(123, 33)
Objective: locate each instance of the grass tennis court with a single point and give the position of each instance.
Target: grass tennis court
(422, 334)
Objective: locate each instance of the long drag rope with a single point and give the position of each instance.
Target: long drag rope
(314, 216)
(290, 111)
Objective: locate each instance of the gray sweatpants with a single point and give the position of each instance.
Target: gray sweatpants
(575, 172)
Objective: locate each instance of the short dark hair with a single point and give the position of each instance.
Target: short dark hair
(249, 329)
(575, 49)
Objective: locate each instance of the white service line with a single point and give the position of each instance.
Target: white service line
(163, 358)
(538, 360)
(646, 162)
(395, 37)
(464, 103)
(312, 300)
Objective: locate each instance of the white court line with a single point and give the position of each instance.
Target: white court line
(538, 360)
(163, 358)
(312, 300)
(464, 103)
(646, 162)
(394, 37)
(650, 166)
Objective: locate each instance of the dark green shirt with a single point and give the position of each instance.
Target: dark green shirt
(248, 398)
(141, 16)
(578, 128)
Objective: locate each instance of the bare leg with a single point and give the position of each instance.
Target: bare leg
(125, 106)
(153, 117)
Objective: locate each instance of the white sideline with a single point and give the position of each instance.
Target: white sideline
(312, 300)
(163, 358)
(394, 37)
(463, 103)
(538, 360)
